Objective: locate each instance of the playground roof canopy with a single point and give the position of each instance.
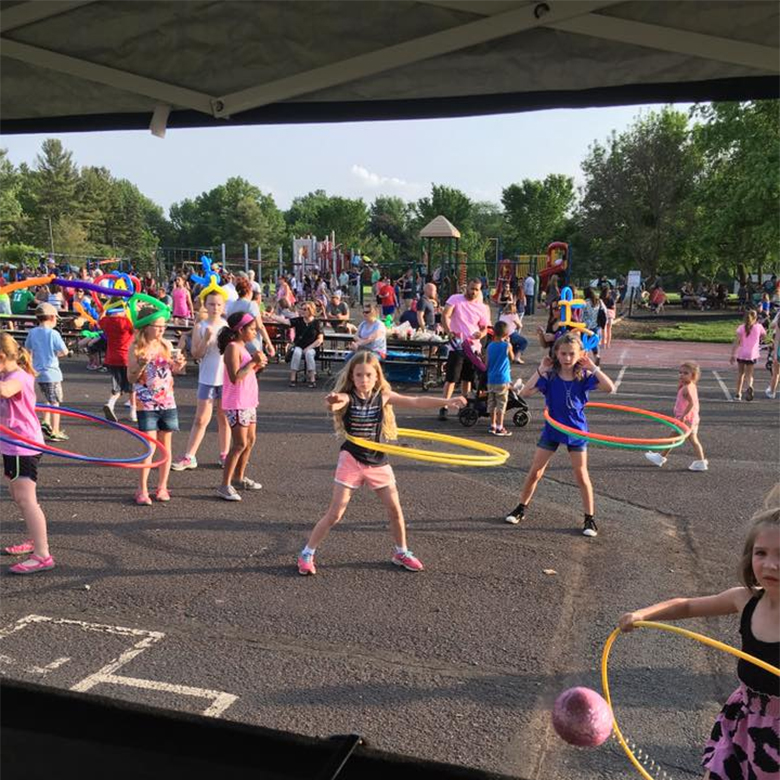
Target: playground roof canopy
(103, 64)
(440, 227)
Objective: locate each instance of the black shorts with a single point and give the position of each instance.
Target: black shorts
(746, 362)
(459, 367)
(119, 382)
(15, 466)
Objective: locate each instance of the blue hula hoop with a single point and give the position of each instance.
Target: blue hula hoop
(71, 456)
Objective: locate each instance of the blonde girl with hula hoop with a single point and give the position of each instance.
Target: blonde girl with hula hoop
(152, 362)
(565, 380)
(362, 404)
(745, 739)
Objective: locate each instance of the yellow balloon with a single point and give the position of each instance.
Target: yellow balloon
(213, 287)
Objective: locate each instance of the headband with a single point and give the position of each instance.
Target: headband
(243, 322)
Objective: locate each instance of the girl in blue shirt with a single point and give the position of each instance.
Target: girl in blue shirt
(565, 380)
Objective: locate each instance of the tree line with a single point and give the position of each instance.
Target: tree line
(685, 194)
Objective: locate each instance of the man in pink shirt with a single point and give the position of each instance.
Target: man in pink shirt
(466, 318)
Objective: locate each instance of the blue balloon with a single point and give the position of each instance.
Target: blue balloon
(590, 341)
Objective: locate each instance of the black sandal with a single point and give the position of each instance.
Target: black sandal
(293, 383)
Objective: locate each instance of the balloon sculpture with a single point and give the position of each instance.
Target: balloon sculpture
(590, 340)
(209, 276)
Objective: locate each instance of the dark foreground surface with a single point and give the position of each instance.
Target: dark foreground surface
(196, 605)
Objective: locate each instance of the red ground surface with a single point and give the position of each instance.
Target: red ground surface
(666, 354)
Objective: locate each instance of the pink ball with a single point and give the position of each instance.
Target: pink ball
(582, 717)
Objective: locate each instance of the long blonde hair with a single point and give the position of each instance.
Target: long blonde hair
(750, 320)
(141, 341)
(19, 355)
(345, 384)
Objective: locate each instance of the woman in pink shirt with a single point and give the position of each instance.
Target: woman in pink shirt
(20, 464)
(686, 409)
(182, 302)
(239, 399)
(746, 350)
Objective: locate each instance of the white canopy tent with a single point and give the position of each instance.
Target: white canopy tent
(82, 65)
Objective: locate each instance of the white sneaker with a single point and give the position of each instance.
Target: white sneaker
(229, 493)
(769, 394)
(655, 458)
(699, 465)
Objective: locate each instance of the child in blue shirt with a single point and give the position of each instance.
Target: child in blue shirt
(565, 380)
(47, 348)
(499, 378)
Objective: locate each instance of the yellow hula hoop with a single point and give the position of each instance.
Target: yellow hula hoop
(494, 456)
(705, 640)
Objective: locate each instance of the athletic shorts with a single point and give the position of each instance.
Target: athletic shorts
(242, 417)
(51, 392)
(551, 446)
(119, 383)
(497, 398)
(351, 473)
(15, 466)
(746, 362)
(209, 392)
(388, 310)
(459, 367)
(165, 420)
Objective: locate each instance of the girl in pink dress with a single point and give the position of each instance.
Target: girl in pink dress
(239, 400)
(686, 409)
(746, 351)
(744, 740)
(182, 302)
(20, 464)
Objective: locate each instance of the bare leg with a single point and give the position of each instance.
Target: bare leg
(749, 374)
(238, 445)
(740, 377)
(338, 505)
(773, 382)
(223, 432)
(201, 422)
(389, 497)
(579, 464)
(164, 469)
(698, 449)
(24, 495)
(143, 474)
(243, 458)
(535, 473)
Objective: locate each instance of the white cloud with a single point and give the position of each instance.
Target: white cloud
(375, 181)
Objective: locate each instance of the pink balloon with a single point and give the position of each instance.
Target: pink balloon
(582, 717)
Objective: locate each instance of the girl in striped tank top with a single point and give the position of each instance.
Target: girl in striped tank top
(362, 405)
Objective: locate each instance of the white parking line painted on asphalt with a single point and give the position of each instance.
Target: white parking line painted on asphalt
(619, 379)
(107, 674)
(723, 386)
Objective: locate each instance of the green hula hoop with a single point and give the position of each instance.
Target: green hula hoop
(682, 433)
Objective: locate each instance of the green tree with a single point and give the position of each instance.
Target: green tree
(54, 185)
(348, 217)
(11, 212)
(451, 203)
(303, 216)
(635, 189)
(536, 210)
(392, 217)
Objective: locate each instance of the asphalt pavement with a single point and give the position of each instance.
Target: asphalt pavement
(196, 605)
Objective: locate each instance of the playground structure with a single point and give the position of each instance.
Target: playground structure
(558, 263)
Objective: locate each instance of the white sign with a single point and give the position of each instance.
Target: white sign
(634, 279)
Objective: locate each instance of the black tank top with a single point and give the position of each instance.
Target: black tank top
(755, 678)
(363, 418)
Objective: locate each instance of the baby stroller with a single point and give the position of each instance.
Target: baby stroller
(477, 406)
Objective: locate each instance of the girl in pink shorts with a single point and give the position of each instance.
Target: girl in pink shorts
(239, 400)
(362, 406)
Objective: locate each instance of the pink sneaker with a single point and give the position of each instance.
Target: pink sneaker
(23, 548)
(306, 565)
(408, 561)
(32, 564)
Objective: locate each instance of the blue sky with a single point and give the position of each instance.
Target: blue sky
(479, 155)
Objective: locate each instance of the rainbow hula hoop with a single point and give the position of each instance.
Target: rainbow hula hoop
(126, 463)
(495, 455)
(625, 442)
(705, 640)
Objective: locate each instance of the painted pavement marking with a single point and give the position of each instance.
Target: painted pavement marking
(722, 386)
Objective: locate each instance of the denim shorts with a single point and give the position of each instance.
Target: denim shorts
(209, 392)
(158, 420)
(552, 446)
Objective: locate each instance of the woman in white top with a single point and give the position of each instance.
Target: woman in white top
(210, 376)
(371, 333)
(514, 324)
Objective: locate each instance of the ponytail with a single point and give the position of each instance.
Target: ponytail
(750, 320)
(19, 355)
(228, 335)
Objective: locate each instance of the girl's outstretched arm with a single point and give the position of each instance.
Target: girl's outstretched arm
(423, 402)
(336, 401)
(726, 603)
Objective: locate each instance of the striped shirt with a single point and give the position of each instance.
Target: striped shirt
(363, 418)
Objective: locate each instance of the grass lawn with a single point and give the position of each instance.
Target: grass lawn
(717, 332)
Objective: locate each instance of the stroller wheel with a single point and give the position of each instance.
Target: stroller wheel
(521, 418)
(468, 416)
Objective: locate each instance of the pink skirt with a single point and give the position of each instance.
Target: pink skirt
(745, 740)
